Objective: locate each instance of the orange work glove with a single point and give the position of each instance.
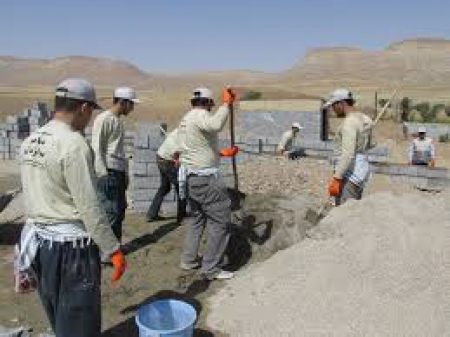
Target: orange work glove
(229, 151)
(335, 187)
(119, 263)
(432, 163)
(228, 96)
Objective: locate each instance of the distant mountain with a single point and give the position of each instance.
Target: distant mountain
(417, 62)
(22, 71)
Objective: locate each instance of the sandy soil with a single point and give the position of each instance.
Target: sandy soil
(153, 250)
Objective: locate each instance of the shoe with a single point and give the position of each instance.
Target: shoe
(156, 218)
(190, 265)
(221, 275)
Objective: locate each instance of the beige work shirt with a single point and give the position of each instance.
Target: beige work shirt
(108, 136)
(286, 141)
(352, 137)
(198, 137)
(170, 146)
(58, 183)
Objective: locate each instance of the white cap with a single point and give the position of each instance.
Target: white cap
(297, 126)
(337, 96)
(77, 88)
(202, 93)
(422, 129)
(126, 93)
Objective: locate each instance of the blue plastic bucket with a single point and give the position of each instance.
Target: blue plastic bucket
(166, 318)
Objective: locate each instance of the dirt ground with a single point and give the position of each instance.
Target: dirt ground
(153, 249)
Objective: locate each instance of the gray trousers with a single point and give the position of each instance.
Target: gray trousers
(349, 191)
(209, 201)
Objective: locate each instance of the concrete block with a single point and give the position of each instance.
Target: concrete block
(144, 195)
(437, 172)
(152, 169)
(140, 169)
(142, 183)
(141, 206)
(141, 155)
(169, 207)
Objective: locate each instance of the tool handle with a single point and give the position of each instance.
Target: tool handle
(383, 110)
(233, 143)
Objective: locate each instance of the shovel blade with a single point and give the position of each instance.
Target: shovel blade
(314, 216)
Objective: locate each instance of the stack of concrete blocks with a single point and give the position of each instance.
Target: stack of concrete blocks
(18, 127)
(270, 125)
(145, 173)
(420, 176)
(434, 130)
(145, 178)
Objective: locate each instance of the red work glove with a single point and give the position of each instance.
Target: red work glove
(229, 151)
(335, 187)
(228, 96)
(119, 263)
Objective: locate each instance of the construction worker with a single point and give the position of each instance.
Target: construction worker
(167, 159)
(66, 228)
(288, 137)
(422, 151)
(111, 166)
(352, 140)
(206, 190)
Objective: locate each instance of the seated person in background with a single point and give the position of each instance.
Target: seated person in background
(422, 151)
(285, 144)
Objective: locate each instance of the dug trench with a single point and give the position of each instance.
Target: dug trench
(261, 226)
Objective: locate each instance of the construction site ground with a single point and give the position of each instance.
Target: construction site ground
(153, 249)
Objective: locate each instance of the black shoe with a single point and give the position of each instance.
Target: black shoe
(156, 218)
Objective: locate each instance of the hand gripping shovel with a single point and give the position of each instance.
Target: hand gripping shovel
(315, 216)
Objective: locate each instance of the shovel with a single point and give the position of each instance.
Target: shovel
(313, 216)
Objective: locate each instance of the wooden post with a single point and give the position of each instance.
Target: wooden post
(376, 103)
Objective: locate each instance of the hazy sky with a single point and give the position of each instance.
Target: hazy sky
(190, 35)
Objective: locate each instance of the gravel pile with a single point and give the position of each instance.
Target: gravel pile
(378, 267)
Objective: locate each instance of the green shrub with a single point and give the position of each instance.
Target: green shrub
(415, 116)
(251, 95)
(444, 138)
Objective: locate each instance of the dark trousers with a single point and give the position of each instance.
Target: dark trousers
(112, 189)
(168, 176)
(69, 279)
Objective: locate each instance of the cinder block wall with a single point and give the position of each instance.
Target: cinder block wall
(18, 127)
(434, 130)
(270, 125)
(145, 177)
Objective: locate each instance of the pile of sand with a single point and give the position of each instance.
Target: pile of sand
(378, 267)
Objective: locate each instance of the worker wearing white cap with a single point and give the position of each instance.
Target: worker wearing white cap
(351, 165)
(206, 190)
(66, 227)
(111, 167)
(288, 137)
(422, 151)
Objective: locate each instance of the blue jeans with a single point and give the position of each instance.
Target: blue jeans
(112, 189)
(68, 282)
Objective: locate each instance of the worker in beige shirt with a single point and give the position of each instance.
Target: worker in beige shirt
(167, 159)
(206, 191)
(66, 227)
(351, 164)
(422, 151)
(287, 139)
(108, 136)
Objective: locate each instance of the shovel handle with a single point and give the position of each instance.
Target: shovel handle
(232, 139)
